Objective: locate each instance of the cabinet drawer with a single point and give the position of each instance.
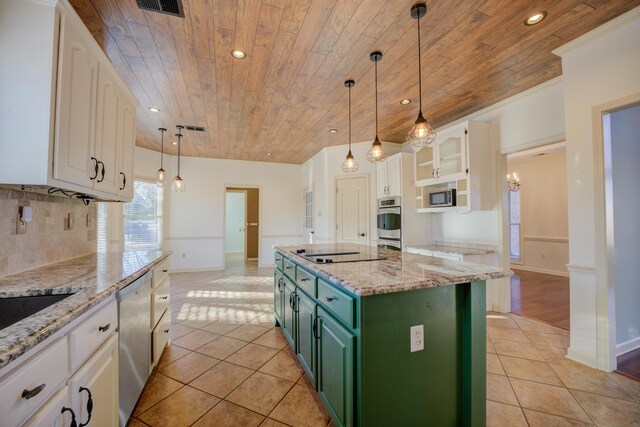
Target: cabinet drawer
(160, 272)
(289, 268)
(279, 260)
(48, 369)
(91, 333)
(159, 301)
(159, 337)
(337, 302)
(306, 281)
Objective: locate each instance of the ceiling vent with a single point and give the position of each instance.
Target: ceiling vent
(195, 128)
(170, 7)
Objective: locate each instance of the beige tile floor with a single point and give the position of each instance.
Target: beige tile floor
(228, 366)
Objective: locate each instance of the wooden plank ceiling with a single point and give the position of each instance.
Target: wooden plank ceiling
(286, 95)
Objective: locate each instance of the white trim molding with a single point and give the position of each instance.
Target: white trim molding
(539, 270)
(581, 268)
(582, 358)
(546, 239)
(627, 346)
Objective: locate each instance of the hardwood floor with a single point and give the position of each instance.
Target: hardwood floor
(543, 297)
(629, 364)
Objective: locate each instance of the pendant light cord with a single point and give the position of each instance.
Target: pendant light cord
(349, 119)
(161, 148)
(376, 74)
(419, 66)
(179, 144)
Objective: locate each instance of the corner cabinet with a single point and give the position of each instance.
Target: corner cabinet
(457, 160)
(84, 131)
(355, 350)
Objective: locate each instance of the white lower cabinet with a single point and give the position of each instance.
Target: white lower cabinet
(94, 388)
(55, 413)
(160, 337)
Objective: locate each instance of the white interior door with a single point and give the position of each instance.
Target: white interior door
(352, 210)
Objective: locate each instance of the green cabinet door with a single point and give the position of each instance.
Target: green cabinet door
(335, 378)
(305, 334)
(288, 312)
(278, 294)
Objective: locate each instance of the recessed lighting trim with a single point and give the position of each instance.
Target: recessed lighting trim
(269, 154)
(406, 101)
(333, 130)
(154, 109)
(239, 54)
(535, 18)
(174, 142)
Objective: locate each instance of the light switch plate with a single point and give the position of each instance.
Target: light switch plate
(417, 338)
(69, 222)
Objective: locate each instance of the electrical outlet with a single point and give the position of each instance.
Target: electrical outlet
(89, 221)
(68, 222)
(417, 338)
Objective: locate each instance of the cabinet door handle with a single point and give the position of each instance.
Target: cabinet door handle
(166, 331)
(89, 406)
(103, 172)
(291, 300)
(124, 181)
(95, 165)
(164, 271)
(104, 328)
(329, 299)
(280, 284)
(28, 394)
(73, 416)
(438, 172)
(362, 234)
(287, 267)
(164, 297)
(314, 327)
(304, 279)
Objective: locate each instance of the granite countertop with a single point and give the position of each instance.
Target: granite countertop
(400, 271)
(453, 249)
(90, 278)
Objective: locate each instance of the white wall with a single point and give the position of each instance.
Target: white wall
(543, 214)
(320, 172)
(598, 68)
(196, 216)
(625, 153)
(235, 221)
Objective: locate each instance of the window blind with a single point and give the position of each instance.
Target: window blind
(103, 231)
(143, 217)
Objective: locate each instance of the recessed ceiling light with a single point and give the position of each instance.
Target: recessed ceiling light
(175, 142)
(239, 54)
(154, 109)
(269, 154)
(333, 130)
(405, 101)
(535, 18)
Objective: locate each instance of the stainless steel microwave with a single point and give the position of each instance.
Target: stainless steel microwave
(442, 198)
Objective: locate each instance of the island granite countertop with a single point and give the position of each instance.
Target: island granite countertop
(90, 278)
(458, 250)
(398, 272)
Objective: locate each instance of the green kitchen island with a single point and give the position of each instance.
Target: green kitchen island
(350, 325)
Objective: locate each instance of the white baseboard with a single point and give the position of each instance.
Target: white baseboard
(196, 270)
(539, 270)
(627, 346)
(583, 358)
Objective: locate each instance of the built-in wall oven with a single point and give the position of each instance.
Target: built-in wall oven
(390, 223)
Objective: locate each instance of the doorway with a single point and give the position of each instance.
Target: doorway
(242, 225)
(538, 234)
(352, 209)
(622, 204)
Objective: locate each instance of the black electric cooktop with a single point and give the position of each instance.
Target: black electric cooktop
(328, 256)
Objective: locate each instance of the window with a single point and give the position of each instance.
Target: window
(514, 225)
(308, 209)
(143, 217)
(103, 236)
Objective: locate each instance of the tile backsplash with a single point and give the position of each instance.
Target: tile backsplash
(48, 237)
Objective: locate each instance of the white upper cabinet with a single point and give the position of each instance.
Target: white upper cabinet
(389, 177)
(459, 161)
(77, 130)
(78, 70)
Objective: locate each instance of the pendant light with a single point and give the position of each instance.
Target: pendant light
(178, 182)
(349, 165)
(376, 153)
(161, 175)
(421, 134)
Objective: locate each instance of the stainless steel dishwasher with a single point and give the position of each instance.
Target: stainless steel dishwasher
(134, 311)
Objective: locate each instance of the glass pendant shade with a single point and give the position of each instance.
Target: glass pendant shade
(161, 177)
(350, 165)
(421, 134)
(377, 153)
(178, 184)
